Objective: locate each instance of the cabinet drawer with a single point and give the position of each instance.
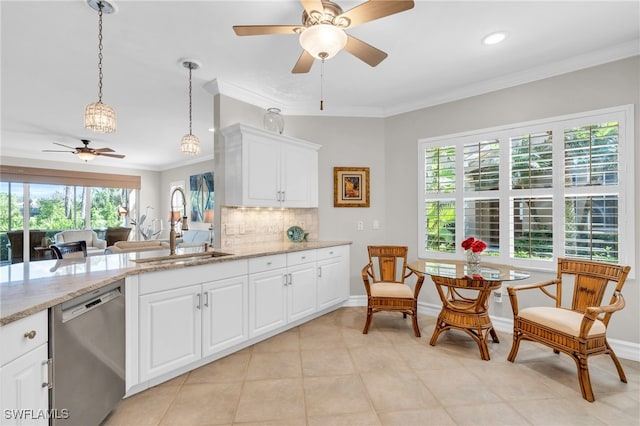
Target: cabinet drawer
(267, 263)
(15, 337)
(153, 282)
(329, 252)
(300, 257)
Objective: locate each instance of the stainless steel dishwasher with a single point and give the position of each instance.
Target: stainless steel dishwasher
(87, 344)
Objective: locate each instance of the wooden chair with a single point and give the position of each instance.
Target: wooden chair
(115, 234)
(387, 290)
(73, 249)
(579, 330)
(16, 244)
(464, 307)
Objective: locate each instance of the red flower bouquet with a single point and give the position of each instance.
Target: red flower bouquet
(476, 246)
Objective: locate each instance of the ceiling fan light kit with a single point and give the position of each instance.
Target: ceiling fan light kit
(323, 41)
(98, 116)
(190, 144)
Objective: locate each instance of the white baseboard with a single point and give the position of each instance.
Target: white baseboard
(623, 348)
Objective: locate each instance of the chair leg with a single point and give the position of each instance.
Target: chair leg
(584, 379)
(494, 336)
(482, 345)
(404, 315)
(623, 378)
(439, 327)
(517, 335)
(368, 321)
(416, 329)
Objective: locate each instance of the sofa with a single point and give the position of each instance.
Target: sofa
(193, 238)
(94, 244)
(135, 246)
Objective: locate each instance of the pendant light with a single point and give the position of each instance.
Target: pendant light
(100, 117)
(190, 144)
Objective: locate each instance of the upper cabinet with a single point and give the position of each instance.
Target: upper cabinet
(264, 169)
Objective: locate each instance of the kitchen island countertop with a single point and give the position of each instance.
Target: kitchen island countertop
(27, 288)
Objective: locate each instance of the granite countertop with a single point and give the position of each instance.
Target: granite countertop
(27, 288)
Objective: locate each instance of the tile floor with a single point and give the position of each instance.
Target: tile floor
(326, 372)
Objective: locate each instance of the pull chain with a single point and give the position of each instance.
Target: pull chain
(322, 85)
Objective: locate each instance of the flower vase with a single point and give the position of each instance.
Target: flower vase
(473, 258)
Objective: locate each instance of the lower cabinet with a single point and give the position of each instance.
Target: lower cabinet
(24, 376)
(333, 273)
(282, 289)
(189, 314)
(170, 330)
(180, 326)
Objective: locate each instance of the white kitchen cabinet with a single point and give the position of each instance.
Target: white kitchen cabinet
(333, 275)
(180, 326)
(225, 314)
(264, 169)
(24, 373)
(279, 295)
(170, 330)
(267, 294)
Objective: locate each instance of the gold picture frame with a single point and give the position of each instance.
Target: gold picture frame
(351, 187)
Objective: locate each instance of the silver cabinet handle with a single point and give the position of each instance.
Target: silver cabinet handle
(198, 304)
(206, 299)
(48, 383)
(285, 280)
(283, 197)
(319, 271)
(290, 279)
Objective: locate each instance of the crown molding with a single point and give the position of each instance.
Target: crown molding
(576, 63)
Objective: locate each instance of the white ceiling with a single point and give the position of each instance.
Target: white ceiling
(49, 65)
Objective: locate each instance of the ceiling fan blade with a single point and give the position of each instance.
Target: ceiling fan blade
(375, 9)
(311, 5)
(103, 150)
(110, 155)
(66, 146)
(250, 30)
(363, 51)
(55, 150)
(304, 63)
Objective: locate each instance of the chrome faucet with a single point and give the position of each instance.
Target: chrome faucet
(185, 227)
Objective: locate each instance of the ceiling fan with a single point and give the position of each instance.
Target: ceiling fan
(85, 153)
(322, 32)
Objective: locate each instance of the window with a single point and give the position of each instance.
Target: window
(52, 200)
(532, 191)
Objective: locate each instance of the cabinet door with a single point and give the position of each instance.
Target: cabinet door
(299, 173)
(170, 330)
(21, 391)
(267, 295)
(261, 182)
(332, 282)
(301, 291)
(225, 314)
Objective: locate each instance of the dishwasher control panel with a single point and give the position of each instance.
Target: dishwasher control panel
(71, 312)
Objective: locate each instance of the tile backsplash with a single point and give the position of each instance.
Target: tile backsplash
(248, 225)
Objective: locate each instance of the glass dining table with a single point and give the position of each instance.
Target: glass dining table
(464, 290)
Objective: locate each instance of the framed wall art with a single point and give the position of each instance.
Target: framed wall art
(350, 187)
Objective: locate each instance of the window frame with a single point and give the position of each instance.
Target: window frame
(625, 188)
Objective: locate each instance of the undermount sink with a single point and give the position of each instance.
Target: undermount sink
(184, 257)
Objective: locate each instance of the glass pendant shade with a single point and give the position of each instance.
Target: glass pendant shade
(273, 121)
(86, 156)
(190, 145)
(100, 117)
(323, 41)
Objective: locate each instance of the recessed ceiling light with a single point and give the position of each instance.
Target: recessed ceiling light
(211, 129)
(494, 38)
